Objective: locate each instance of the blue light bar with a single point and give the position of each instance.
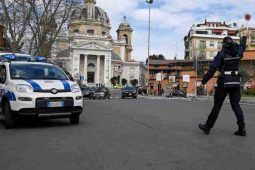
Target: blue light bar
(40, 58)
(7, 57)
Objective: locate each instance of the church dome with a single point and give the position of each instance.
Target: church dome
(90, 12)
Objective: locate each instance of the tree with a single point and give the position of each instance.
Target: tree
(114, 80)
(123, 82)
(134, 82)
(33, 24)
(156, 57)
(17, 15)
(48, 18)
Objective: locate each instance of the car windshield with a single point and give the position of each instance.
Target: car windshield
(85, 88)
(36, 71)
(129, 88)
(99, 90)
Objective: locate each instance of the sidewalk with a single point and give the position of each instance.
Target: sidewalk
(244, 100)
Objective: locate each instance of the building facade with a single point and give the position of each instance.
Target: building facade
(181, 68)
(90, 53)
(251, 38)
(205, 40)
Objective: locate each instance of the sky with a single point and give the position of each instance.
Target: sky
(171, 21)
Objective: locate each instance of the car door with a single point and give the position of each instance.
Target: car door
(3, 76)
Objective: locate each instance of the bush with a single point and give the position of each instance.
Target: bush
(123, 81)
(249, 92)
(114, 80)
(134, 82)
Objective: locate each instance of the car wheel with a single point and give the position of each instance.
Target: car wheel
(9, 121)
(74, 119)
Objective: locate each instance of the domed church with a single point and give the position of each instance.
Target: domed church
(94, 56)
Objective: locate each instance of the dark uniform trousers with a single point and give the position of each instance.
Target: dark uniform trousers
(219, 97)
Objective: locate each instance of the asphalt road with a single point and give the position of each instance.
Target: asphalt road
(131, 134)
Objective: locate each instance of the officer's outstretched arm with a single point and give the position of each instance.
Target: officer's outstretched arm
(213, 68)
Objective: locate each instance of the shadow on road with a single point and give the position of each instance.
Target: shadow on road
(41, 123)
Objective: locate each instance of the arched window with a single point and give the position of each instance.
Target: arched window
(91, 67)
(126, 38)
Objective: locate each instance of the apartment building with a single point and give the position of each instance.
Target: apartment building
(205, 40)
(251, 38)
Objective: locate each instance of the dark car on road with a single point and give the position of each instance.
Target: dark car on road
(178, 93)
(129, 91)
(86, 92)
(101, 93)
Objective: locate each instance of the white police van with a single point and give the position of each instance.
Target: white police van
(36, 89)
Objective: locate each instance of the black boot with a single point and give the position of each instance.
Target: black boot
(241, 130)
(204, 128)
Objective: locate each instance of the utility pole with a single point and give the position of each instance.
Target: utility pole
(196, 79)
(149, 37)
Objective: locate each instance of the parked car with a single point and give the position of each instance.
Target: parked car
(93, 88)
(101, 93)
(86, 92)
(129, 91)
(179, 93)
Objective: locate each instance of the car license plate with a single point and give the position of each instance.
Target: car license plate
(55, 104)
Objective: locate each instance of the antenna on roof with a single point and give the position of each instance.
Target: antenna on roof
(176, 49)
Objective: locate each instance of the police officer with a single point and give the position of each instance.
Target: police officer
(227, 62)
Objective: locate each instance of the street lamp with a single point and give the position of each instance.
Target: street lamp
(149, 36)
(196, 79)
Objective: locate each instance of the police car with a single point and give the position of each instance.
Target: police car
(36, 89)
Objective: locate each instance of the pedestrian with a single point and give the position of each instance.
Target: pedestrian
(227, 63)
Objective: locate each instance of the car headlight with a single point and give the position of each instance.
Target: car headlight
(75, 88)
(23, 88)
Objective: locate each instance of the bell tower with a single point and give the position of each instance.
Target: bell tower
(90, 1)
(124, 32)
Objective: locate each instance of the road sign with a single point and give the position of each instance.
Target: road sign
(186, 78)
(158, 77)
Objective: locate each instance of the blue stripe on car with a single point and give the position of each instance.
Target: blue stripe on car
(66, 85)
(35, 86)
(11, 96)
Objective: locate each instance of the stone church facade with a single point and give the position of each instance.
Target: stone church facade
(94, 57)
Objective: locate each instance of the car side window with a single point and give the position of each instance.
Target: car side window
(2, 74)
